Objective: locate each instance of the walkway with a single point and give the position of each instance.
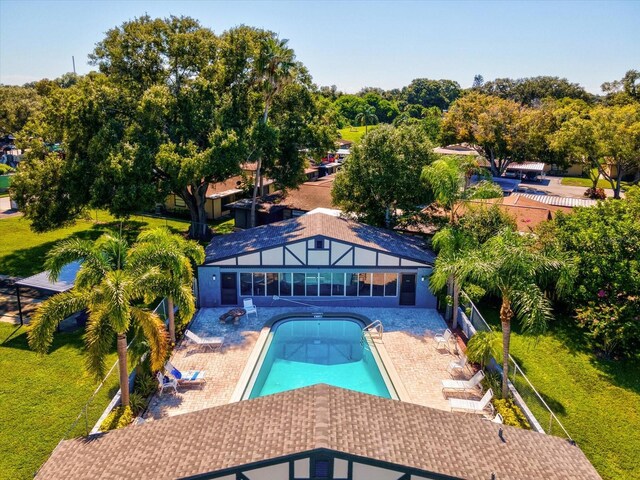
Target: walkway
(408, 340)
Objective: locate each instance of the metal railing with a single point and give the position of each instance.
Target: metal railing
(533, 400)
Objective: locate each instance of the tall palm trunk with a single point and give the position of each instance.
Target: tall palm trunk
(122, 367)
(456, 301)
(172, 321)
(506, 314)
(257, 182)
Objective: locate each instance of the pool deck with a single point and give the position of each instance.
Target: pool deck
(407, 340)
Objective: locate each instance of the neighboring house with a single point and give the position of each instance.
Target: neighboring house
(273, 208)
(317, 258)
(319, 433)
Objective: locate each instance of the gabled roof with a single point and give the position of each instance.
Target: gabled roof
(313, 418)
(309, 226)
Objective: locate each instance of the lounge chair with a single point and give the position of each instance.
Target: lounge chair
(443, 339)
(460, 364)
(166, 382)
(208, 342)
(472, 406)
(250, 307)
(185, 377)
(464, 385)
(497, 419)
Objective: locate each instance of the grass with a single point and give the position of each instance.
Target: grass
(41, 397)
(355, 134)
(585, 182)
(22, 252)
(597, 400)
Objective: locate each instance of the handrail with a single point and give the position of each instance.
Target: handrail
(374, 329)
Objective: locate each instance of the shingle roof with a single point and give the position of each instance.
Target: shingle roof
(308, 226)
(318, 417)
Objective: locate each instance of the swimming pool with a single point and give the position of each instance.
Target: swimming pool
(305, 351)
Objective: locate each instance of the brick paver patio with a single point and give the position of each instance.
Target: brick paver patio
(408, 340)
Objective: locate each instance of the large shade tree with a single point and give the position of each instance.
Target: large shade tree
(113, 290)
(173, 108)
(510, 266)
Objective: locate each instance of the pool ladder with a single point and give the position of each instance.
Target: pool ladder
(374, 329)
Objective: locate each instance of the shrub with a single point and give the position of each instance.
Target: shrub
(493, 381)
(4, 169)
(482, 346)
(137, 402)
(595, 193)
(119, 417)
(511, 413)
(613, 327)
(145, 384)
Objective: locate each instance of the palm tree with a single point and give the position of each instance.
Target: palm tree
(367, 116)
(276, 67)
(510, 266)
(112, 290)
(176, 258)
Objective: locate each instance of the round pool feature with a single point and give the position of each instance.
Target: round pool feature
(305, 351)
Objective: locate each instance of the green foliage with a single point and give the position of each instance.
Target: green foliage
(483, 346)
(614, 326)
(145, 384)
(511, 414)
(492, 380)
(382, 175)
(431, 93)
(482, 222)
(529, 91)
(137, 403)
(17, 106)
(119, 417)
(4, 169)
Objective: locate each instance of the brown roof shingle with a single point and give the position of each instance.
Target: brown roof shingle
(318, 417)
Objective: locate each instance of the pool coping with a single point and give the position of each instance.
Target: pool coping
(252, 361)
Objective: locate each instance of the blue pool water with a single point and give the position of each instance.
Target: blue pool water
(305, 352)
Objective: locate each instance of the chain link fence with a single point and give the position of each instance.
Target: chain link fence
(544, 418)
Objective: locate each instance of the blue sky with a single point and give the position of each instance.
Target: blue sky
(357, 44)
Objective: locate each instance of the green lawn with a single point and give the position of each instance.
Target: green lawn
(598, 401)
(355, 134)
(41, 397)
(585, 182)
(22, 252)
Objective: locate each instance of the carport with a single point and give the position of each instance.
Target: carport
(42, 283)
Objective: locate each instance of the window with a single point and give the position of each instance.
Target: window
(285, 284)
(364, 285)
(325, 284)
(321, 468)
(298, 284)
(391, 284)
(378, 285)
(312, 284)
(319, 244)
(337, 284)
(178, 202)
(272, 284)
(246, 283)
(259, 289)
(352, 285)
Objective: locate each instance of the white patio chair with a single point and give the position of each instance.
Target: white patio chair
(457, 365)
(463, 385)
(497, 419)
(166, 382)
(185, 377)
(207, 342)
(443, 339)
(472, 406)
(250, 307)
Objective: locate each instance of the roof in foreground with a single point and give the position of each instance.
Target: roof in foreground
(41, 281)
(313, 418)
(319, 224)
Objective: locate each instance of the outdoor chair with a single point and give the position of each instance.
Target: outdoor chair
(443, 339)
(457, 365)
(207, 342)
(472, 406)
(185, 377)
(166, 382)
(250, 307)
(463, 385)
(497, 419)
